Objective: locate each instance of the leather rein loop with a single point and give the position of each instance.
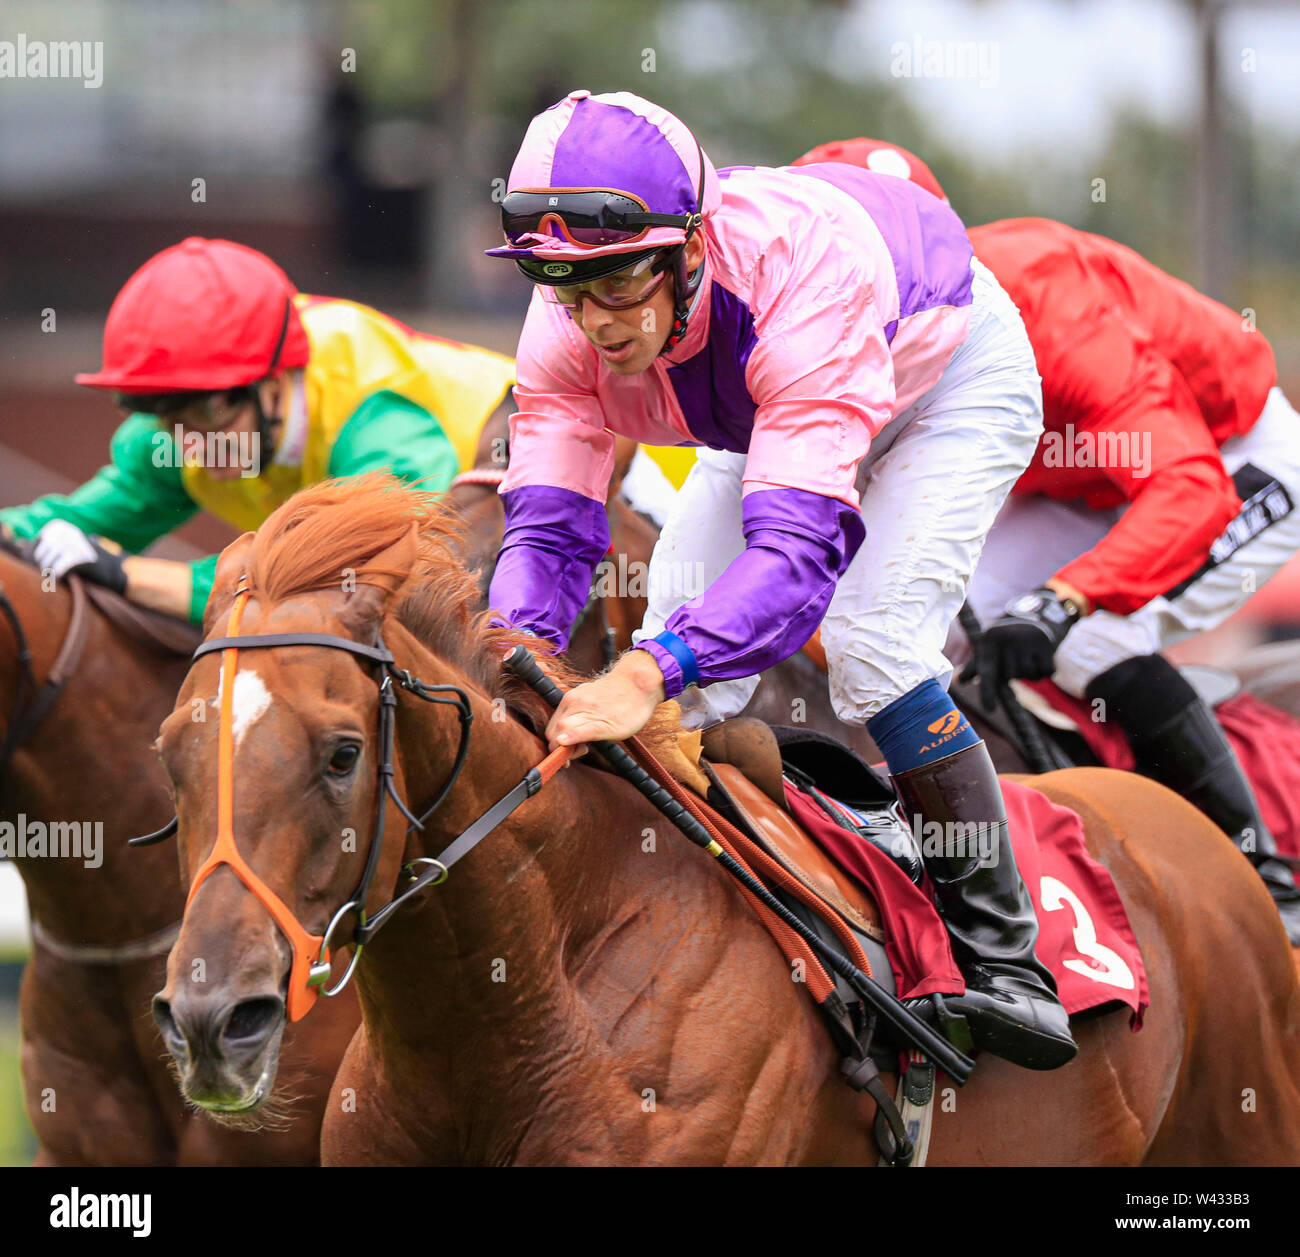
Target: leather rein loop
(25, 718)
(310, 970)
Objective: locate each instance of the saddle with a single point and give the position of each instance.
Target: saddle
(747, 764)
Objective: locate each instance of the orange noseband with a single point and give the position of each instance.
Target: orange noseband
(310, 965)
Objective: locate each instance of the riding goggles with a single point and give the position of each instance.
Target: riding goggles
(623, 290)
(591, 217)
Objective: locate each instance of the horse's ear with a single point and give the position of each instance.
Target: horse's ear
(232, 564)
(368, 597)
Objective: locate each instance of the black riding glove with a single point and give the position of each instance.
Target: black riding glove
(61, 548)
(1022, 642)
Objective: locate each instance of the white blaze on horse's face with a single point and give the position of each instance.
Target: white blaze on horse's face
(248, 705)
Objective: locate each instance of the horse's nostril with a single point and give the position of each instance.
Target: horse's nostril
(170, 1031)
(253, 1019)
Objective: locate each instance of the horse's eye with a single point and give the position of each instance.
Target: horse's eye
(344, 760)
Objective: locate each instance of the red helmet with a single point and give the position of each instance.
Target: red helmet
(884, 159)
(201, 316)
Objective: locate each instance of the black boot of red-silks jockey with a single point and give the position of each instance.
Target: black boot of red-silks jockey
(1177, 741)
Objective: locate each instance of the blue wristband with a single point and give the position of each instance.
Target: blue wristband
(683, 654)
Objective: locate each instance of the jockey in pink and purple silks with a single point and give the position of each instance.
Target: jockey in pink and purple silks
(867, 397)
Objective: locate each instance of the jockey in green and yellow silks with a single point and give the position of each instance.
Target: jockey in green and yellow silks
(240, 391)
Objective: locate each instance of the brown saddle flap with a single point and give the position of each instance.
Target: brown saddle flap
(159, 632)
(786, 842)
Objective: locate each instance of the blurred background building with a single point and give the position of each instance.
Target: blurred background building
(358, 141)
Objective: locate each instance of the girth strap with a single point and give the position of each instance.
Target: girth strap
(150, 946)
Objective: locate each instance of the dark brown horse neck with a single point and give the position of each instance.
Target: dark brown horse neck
(77, 764)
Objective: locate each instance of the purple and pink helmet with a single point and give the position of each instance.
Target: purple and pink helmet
(602, 181)
(615, 142)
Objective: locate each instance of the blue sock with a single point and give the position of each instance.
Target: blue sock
(920, 728)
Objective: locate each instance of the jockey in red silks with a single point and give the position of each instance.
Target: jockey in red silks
(1163, 494)
(803, 326)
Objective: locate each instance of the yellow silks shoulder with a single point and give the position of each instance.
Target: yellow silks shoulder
(355, 353)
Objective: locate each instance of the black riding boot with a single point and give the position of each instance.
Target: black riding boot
(1010, 1001)
(1177, 741)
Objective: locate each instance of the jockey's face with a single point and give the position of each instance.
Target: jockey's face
(236, 420)
(629, 341)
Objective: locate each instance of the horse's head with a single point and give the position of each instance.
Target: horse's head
(274, 761)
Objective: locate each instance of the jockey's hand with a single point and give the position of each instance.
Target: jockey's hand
(1022, 642)
(62, 547)
(612, 707)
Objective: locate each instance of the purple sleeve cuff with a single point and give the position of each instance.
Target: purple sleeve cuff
(772, 597)
(553, 540)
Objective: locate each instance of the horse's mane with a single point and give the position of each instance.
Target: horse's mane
(342, 527)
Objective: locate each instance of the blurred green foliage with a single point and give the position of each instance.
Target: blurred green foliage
(760, 82)
(17, 1143)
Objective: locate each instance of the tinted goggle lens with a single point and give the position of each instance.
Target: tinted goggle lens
(572, 297)
(590, 218)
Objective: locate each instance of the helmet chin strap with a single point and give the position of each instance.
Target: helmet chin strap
(263, 419)
(686, 287)
(264, 422)
(686, 290)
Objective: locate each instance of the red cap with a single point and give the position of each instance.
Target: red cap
(884, 159)
(202, 315)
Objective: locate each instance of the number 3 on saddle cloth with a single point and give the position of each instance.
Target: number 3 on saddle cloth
(1084, 937)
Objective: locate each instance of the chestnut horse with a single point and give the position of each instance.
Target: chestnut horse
(98, 1084)
(587, 987)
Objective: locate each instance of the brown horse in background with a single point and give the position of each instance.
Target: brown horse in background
(587, 988)
(98, 1085)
